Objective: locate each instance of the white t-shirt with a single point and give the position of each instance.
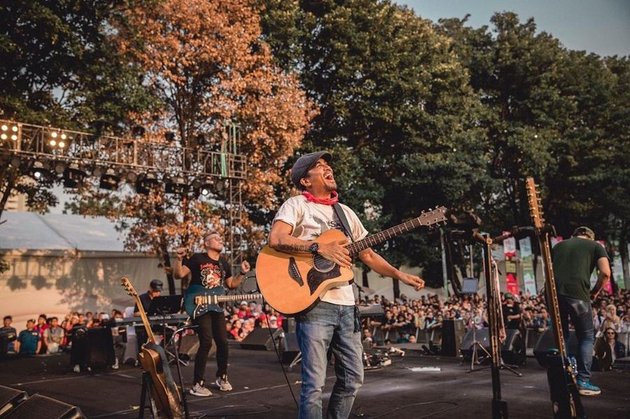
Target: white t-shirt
(309, 220)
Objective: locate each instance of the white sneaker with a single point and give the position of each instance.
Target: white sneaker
(199, 390)
(115, 366)
(223, 383)
(77, 368)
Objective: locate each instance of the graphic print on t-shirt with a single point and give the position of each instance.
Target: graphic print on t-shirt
(210, 275)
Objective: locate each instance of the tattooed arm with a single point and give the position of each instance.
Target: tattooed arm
(281, 240)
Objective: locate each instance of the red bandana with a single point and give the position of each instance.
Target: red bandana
(334, 198)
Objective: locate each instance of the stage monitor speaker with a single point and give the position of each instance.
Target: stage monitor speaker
(546, 341)
(189, 345)
(290, 348)
(42, 407)
(453, 332)
(261, 339)
(289, 325)
(9, 398)
(512, 349)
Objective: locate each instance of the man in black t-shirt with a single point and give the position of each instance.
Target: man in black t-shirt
(210, 270)
(573, 262)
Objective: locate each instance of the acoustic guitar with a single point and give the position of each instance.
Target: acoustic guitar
(293, 283)
(565, 397)
(164, 391)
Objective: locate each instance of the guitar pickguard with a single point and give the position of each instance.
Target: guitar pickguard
(315, 277)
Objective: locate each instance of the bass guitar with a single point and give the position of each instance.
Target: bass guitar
(565, 397)
(293, 283)
(164, 391)
(199, 299)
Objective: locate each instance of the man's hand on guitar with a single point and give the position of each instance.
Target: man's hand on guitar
(337, 252)
(413, 280)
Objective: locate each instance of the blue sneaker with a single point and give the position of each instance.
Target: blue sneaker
(586, 388)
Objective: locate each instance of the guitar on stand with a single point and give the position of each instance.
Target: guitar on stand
(563, 390)
(165, 396)
(496, 329)
(292, 283)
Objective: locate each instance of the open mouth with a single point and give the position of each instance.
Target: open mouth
(329, 176)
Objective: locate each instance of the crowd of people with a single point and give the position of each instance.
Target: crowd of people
(403, 321)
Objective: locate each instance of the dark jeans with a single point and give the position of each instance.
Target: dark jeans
(581, 316)
(211, 326)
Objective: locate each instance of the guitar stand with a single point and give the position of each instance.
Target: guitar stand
(146, 391)
(296, 360)
(474, 358)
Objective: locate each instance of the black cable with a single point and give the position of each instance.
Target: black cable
(279, 356)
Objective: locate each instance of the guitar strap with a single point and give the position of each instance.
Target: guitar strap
(344, 221)
(348, 231)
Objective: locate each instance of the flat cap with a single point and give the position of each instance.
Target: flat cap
(305, 163)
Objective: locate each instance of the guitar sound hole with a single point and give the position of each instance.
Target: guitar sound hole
(321, 264)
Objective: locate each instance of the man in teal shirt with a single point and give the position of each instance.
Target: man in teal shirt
(573, 262)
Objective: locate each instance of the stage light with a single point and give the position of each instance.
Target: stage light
(58, 140)
(73, 176)
(60, 167)
(169, 136)
(39, 170)
(146, 182)
(176, 185)
(9, 131)
(109, 180)
(138, 131)
(131, 176)
(203, 187)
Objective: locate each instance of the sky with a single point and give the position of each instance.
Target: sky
(598, 26)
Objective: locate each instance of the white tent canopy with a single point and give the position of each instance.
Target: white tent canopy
(61, 263)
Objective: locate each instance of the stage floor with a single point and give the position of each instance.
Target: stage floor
(414, 386)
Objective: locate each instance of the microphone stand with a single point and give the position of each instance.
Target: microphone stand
(176, 336)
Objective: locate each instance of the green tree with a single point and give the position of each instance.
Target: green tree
(396, 110)
(59, 68)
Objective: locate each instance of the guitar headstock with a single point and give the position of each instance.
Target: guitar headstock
(432, 217)
(535, 207)
(126, 283)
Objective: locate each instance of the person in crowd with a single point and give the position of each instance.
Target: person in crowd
(40, 327)
(611, 320)
(608, 349)
(8, 334)
(511, 312)
(210, 270)
(335, 319)
(119, 336)
(28, 341)
(54, 336)
(573, 262)
(542, 321)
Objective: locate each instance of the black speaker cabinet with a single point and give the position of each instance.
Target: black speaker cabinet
(453, 332)
(9, 398)
(290, 348)
(42, 407)
(261, 339)
(512, 349)
(546, 341)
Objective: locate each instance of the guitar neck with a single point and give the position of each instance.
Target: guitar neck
(423, 220)
(228, 298)
(145, 319)
(552, 294)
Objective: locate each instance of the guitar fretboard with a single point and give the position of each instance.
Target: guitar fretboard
(426, 219)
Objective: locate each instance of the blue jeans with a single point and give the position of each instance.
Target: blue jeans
(329, 326)
(581, 316)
